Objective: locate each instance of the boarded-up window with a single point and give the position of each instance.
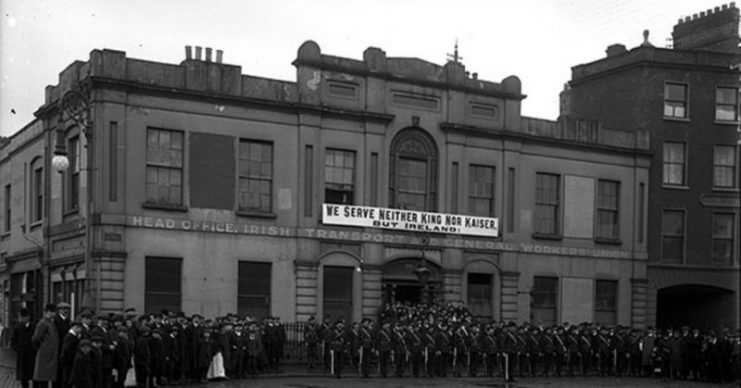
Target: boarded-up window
(338, 284)
(253, 290)
(162, 284)
(211, 171)
(480, 295)
(544, 297)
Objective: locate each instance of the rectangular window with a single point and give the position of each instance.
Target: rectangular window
(338, 284)
(672, 236)
(253, 289)
(6, 208)
(480, 296)
(544, 297)
(73, 174)
(724, 166)
(37, 194)
(412, 184)
(675, 100)
(162, 284)
(606, 302)
(255, 176)
(481, 191)
(339, 177)
(164, 167)
(674, 160)
(723, 238)
(726, 104)
(547, 203)
(608, 199)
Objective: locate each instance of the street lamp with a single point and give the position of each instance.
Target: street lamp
(75, 106)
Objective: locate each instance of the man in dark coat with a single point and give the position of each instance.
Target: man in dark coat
(21, 343)
(142, 357)
(45, 340)
(311, 336)
(70, 343)
(82, 373)
(106, 365)
(96, 360)
(171, 348)
(121, 359)
(62, 322)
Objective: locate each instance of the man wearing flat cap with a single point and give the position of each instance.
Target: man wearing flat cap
(70, 343)
(82, 373)
(106, 350)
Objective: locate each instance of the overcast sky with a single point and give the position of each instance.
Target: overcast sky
(536, 40)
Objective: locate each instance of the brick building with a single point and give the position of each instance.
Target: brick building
(194, 187)
(686, 98)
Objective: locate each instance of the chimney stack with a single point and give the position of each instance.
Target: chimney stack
(208, 54)
(712, 30)
(219, 56)
(198, 52)
(188, 52)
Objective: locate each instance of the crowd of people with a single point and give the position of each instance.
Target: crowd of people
(445, 340)
(161, 349)
(433, 340)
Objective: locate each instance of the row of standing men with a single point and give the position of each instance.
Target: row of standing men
(465, 348)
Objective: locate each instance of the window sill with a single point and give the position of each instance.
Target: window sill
(70, 212)
(680, 119)
(5, 234)
(242, 213)
(674, 187)
(727, 122)
(544, 236)
(35, 224)
(164, 206)
(725, 189)
(608, 241)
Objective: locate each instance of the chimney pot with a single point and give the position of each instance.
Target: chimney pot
(724, 7)
(219, 56)
(717, 9)
(198, 52)
(702, 14)
(687, 18)
(208, 54)
(475, 75)
(188, 52)
(733, 4)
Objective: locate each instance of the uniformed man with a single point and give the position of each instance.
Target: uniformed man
(400, 349)
(429, 350)
(532, 352)
(475, 350)
(442, 349)
(415, 346)
(460, 350)
(311, 336)
(547, 350)
(365, 347)
(338, 347)
(384, 349)
(490, 348)
(510, 351)
(560, 349)
(325, 331)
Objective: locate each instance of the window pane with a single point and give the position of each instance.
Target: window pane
(726, 95)
(724, 166)
(675, 92)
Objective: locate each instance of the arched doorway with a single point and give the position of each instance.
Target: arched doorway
(694, 305)
(401, 284)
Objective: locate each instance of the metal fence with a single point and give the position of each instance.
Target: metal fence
(294, 349)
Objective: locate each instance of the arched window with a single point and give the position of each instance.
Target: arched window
(413, 171)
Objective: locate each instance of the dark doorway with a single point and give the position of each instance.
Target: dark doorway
(408, 293)
(703, 307)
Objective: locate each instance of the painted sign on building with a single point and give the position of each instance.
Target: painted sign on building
(409, 220)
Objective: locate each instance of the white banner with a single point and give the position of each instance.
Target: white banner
(410, 220)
